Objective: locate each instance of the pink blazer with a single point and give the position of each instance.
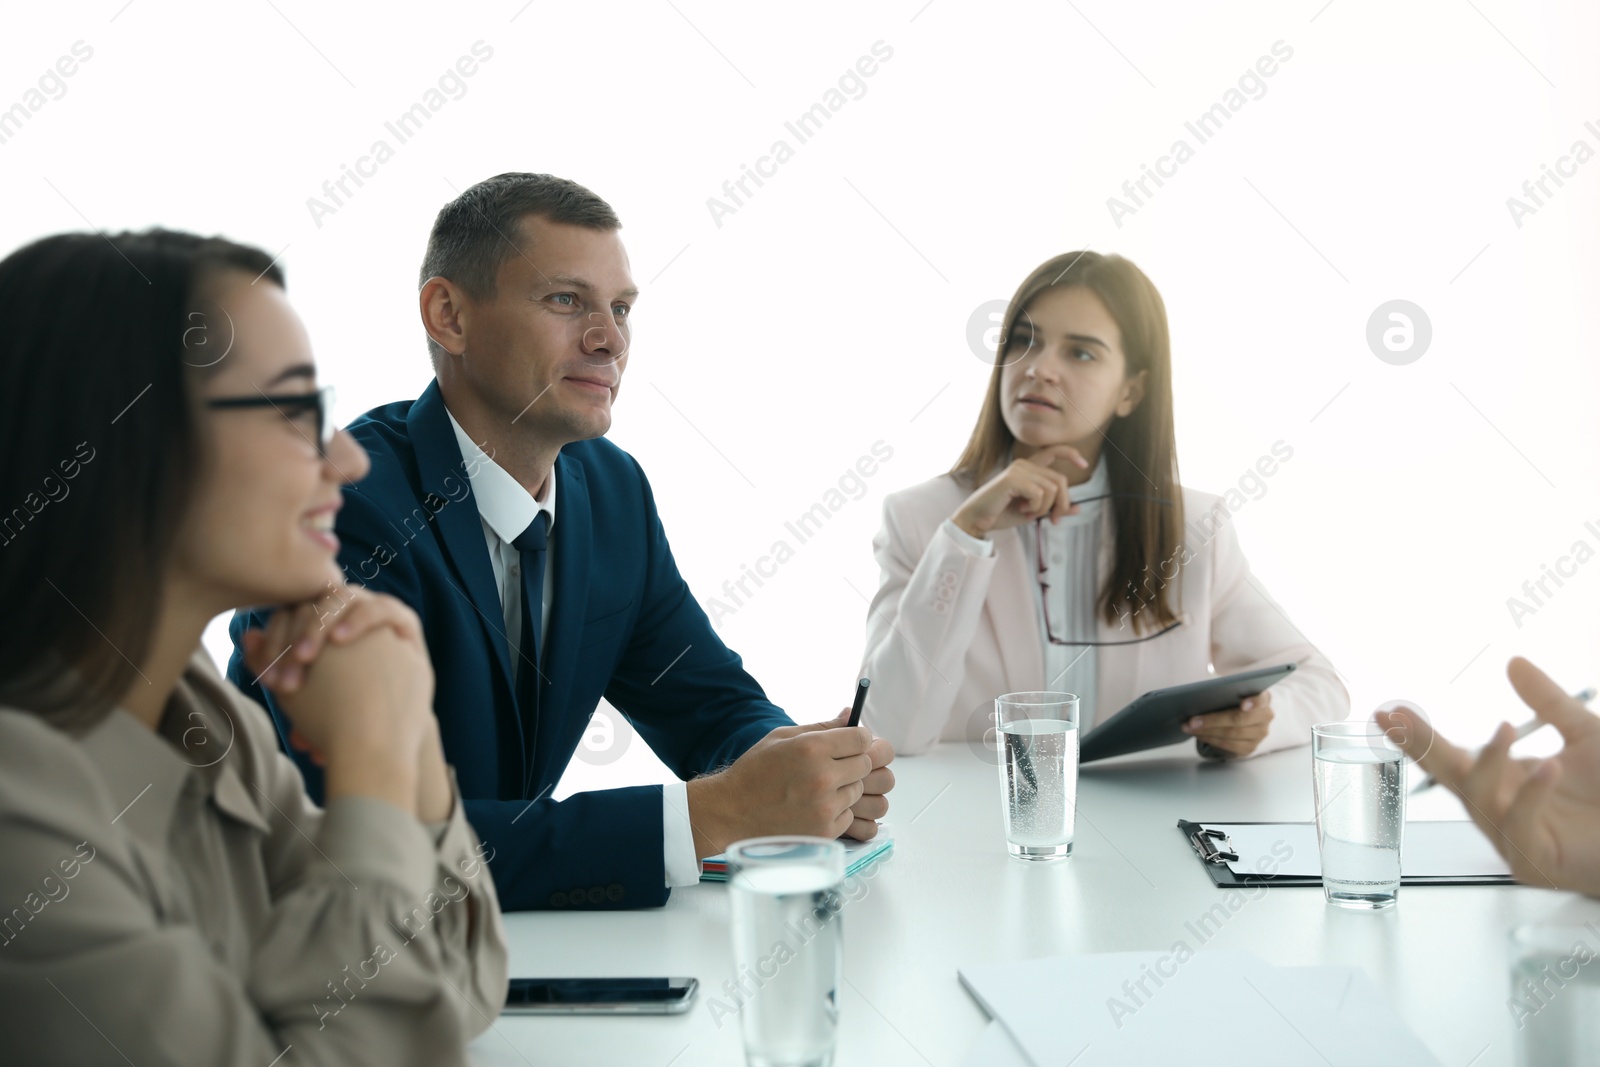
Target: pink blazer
(949, 631)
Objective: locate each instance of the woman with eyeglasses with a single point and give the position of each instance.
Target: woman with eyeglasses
(1061, 553)
(168, 892)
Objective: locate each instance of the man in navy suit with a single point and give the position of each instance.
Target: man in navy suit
(531, 550)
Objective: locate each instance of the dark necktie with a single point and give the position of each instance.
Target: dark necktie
(532, 543)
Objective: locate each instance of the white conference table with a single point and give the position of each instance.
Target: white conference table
(949, 896)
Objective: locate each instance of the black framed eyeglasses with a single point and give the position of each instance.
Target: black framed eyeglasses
(1044, 586)
(290, 406)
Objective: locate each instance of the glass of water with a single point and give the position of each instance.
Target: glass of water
(1037, 737)
(1555, 995)
(1359, 788)
(788, 950)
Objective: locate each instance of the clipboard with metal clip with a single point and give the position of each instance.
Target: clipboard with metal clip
(1216, 850)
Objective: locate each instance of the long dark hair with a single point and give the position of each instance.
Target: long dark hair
(1140, 455)
(100, 451)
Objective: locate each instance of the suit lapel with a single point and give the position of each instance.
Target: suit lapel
(570, 540)
(1022, 640)
(1117, 672)
(439, 467)
(1011, 615)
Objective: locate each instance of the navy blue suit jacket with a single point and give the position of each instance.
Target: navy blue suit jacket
(620, 617)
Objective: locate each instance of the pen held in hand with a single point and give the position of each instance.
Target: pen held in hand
(861, 698)
(1526, 729)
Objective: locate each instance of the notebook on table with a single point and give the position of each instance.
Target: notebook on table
(857, 854)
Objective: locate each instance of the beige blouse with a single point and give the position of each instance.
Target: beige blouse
(178, 899)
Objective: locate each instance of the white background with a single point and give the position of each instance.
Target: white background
(832, 309)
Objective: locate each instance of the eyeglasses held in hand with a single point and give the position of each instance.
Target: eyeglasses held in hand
(291, 407)
(1044, 586)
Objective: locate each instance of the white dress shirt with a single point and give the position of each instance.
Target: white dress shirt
(1072, 553)
(506, 509)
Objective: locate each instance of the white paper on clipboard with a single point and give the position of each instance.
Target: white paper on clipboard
(1452, 848)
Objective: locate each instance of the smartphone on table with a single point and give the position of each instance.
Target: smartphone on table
(601, 996)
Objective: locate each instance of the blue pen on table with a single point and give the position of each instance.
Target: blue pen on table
(861, 698)
(1531, 726)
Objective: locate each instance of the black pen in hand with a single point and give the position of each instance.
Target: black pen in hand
(861, 698)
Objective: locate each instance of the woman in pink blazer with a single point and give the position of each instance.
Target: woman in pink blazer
(1061, 553)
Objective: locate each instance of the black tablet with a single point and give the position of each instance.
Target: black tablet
(1156, 718)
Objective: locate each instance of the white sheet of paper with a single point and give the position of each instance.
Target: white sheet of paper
(1107, 1009)
(1429, 849)
(994, 1048)
(1340, 1014)
(1060, 1007)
